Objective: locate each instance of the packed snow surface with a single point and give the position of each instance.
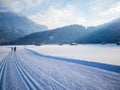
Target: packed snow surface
(26, 69)
(3, 52)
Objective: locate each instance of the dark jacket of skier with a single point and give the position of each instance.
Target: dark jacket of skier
(14, 48)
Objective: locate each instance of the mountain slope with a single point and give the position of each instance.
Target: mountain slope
(14, 26)
(109, 32)
(65, 34)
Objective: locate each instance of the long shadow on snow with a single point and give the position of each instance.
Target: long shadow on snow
(108, 67)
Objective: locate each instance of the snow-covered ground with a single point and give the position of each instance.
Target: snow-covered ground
(3, 52)
(109, 54)
(28, 69)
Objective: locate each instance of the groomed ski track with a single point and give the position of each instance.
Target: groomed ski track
(26, 70)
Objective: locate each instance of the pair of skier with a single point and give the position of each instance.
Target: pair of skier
(13, 48)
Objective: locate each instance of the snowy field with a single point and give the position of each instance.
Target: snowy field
(109, 54)
(3, 52)
(53, 68)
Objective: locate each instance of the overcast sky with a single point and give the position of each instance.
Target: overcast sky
(57, 13)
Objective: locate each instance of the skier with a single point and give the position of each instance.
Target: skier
(11, 48)
(14, 48)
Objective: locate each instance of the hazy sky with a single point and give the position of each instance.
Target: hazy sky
(57, 13)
